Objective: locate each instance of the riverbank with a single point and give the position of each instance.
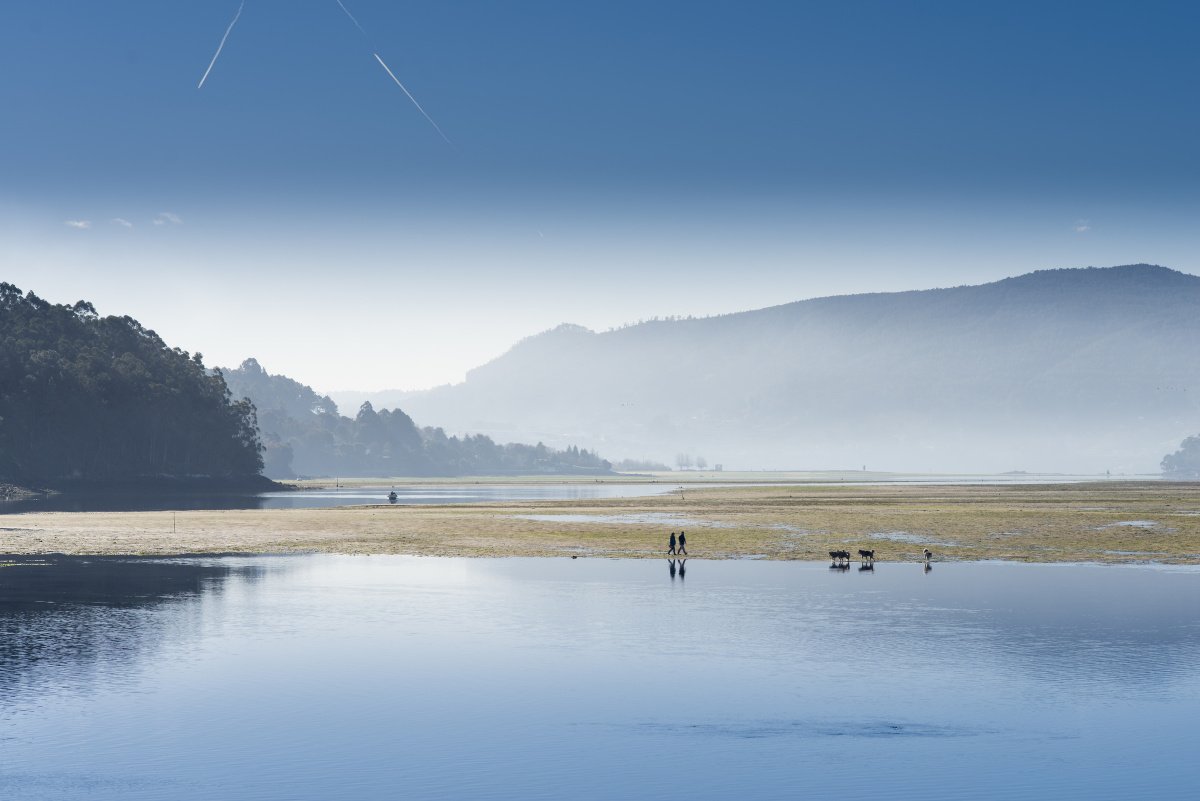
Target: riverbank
(717, 477)
(1125, 522)
(147, 486)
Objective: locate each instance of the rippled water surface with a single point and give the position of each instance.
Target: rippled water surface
(322, 677)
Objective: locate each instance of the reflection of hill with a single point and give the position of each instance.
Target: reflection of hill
(61, 611)
(1100, 632)
(1074, 370)
(131, 501)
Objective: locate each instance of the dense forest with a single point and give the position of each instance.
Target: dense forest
(1185, 462)
(305, 435)
(86, 399)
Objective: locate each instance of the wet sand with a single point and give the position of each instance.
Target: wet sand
(1117, 522)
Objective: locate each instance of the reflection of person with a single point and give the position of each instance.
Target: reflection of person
(671, 549)
(683, 543)
(682, 569)
(672, 563)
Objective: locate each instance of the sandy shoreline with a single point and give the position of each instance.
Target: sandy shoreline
(1097, 522)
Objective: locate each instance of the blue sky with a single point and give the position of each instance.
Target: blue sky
(611, 161)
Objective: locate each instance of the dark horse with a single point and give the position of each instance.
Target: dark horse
(867, 556)
(839, 556)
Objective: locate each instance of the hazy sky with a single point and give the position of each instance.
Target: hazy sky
(611, 161)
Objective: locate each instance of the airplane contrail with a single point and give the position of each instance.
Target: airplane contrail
(221, 46)
(391, 74)
(404, 89)
(352, 19)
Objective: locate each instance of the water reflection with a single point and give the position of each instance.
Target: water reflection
(60, 617)
(322, 677)
(325, 498)
(134, 502)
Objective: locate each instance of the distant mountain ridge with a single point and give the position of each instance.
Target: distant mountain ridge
(1069, 369)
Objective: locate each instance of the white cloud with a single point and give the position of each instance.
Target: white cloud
(1082, 226)
(80, 224)
(168, 218)
(121, 221)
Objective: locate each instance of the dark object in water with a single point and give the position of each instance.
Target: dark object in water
(393, 497)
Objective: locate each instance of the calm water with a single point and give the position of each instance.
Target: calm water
(322, 677)
(325, 498)
(455, 493)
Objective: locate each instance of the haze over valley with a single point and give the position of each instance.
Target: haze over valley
(1070, 370)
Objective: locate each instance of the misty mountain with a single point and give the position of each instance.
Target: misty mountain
(1071, 370)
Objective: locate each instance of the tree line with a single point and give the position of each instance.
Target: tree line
(91, 399)
(305, 435)
(1184, 463)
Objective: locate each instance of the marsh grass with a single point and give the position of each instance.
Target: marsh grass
(1036, 523)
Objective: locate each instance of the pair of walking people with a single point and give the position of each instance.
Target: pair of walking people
(682, 544)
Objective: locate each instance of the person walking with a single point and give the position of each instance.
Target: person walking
(683, 543)
(671, 550)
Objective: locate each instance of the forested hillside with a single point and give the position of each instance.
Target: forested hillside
(306, 436)
(86, 399)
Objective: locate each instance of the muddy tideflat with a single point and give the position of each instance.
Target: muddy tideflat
(1093, 522)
